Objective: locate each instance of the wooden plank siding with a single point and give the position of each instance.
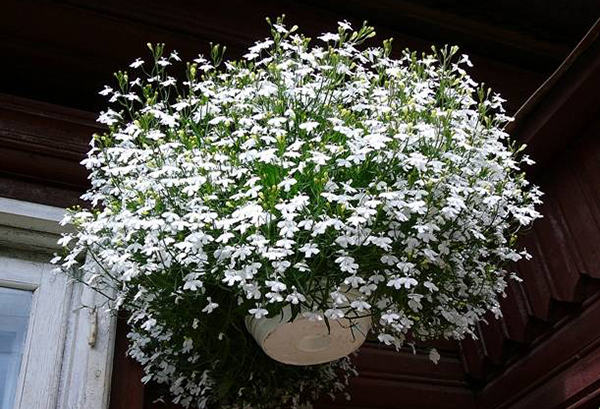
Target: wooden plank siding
(549, 338)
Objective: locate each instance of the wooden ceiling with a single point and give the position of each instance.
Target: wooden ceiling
(64, 51)
(532, 34)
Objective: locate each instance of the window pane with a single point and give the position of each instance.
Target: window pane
(14, 316)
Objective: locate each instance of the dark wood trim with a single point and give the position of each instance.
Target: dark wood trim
(559, 298)
(586, 42)
(387, 394)
(46, 128)
(552, 360)
(558, 368)
(41, 146)
(564, 105)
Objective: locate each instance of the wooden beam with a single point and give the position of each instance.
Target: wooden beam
(556, 370)
(41, 146)
(564, 104)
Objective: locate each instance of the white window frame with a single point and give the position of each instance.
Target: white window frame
(68, 352)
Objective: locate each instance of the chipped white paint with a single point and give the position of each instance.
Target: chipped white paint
(61, 367)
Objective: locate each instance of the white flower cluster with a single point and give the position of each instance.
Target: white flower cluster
(288, 178)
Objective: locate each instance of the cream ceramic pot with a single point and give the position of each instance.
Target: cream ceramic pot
(305, 342)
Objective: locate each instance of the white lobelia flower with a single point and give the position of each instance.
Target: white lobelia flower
(137, 63)
(309, 249)
(287, 184)
(258, 312)
(210, 307)
(309, 126)
(329, 37)
(334, 314)
(400, 282)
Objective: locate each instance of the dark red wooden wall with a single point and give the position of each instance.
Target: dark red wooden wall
(545, 352)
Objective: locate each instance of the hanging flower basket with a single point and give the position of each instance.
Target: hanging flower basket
(306, 341)
(257, 218)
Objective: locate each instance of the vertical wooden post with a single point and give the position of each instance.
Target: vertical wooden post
(127, 389)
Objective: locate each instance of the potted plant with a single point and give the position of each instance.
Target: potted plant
(310, 193)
